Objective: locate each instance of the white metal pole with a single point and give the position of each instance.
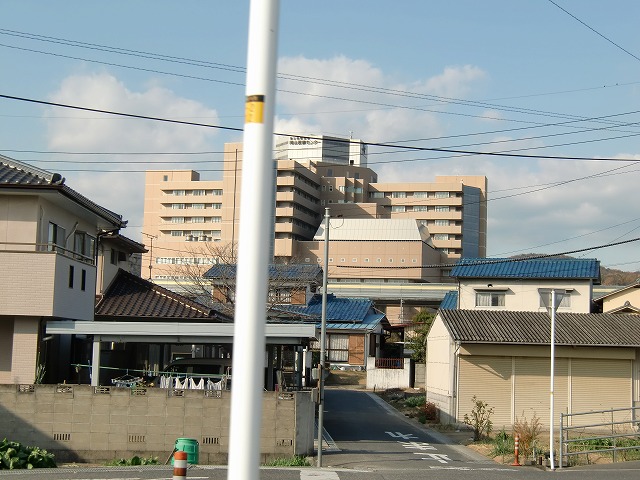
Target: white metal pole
(552, 375)
(256, 211)
(323, 336)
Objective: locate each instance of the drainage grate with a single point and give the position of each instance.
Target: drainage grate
(62, 437)
(137, 439)
(211, 440)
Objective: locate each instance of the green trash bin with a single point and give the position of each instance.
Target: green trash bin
(191, 447)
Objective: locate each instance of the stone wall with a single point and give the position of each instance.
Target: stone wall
(93, 424)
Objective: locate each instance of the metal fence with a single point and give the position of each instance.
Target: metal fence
(599, 431)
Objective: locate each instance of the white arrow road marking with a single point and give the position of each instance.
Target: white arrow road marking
(418, 445)
(404, 436)
(440, 457)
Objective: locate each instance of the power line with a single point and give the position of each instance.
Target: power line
(595, 31)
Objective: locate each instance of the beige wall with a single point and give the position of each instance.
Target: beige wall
(83, 423)
(618, 299)
(524, 295)
(439, 375)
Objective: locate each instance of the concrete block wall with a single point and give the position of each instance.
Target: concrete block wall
(385, 378)
(95, 424)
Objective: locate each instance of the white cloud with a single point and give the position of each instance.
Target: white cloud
(365, 110)
(80, 131)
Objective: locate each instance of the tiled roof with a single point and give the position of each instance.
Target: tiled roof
(564, 268)
(342, 313)
(296, 271)
(533, 328)
(16, 174)
(450, 301)
(136, 298)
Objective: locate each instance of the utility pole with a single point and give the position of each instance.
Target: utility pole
(256, 210)
(323, 337)
(151, 237)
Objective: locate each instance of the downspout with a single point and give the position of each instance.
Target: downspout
(455, 382)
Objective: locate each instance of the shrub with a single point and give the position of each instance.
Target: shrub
(528, 433)
(502, 444)
(135, 460)
(417, 401)
(480, 419)
(428, 412)
(14, 455)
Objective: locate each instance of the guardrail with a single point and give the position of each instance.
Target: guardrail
(618, 430)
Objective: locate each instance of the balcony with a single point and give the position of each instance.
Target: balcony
(42, 283)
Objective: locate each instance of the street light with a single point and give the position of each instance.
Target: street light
(552, 305)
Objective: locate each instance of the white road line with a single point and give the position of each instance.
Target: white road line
(318, 475)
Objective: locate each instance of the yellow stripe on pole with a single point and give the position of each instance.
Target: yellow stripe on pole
(254, 109)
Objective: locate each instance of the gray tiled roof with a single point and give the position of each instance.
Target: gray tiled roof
(135, 298)
(16, 174)
(533, 328)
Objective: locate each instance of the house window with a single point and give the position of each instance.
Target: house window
(376, 194)
(216, 219)
(338, 346)
(217, 192)
(399, 194)
(176, 233)
(490, 299)
(165, 178)
(442, 195)
(177, 206)
(179, 193)
(197, 219)
(441, 236)
(398, 209)
(419, 208)
(84, 244)
(442, 208)
(442, 223)
(545, 296)
(177, 219)
(216, 206)
(83, 280)
(198, 206)
(114, 257)
(71, 275)
(198, 192)
(420, 194)
(56, 236)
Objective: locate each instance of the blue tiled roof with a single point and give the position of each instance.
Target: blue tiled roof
(450, 301)
(296, 272)
(565, 268)
(342, 313)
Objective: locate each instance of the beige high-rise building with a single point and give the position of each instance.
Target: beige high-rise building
(190, 223)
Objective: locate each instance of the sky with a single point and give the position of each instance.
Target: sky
(542, 97)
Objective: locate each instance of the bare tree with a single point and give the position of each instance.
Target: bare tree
(207, 273)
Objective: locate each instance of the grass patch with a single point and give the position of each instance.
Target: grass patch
(295, 461)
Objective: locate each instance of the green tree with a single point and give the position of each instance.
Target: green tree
(416, 335)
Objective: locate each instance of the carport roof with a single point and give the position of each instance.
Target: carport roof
(533, 328)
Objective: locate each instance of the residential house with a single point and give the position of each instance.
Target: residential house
(622, 300)
(491, 339)
(49, 236)
(503, 358)
(525, 284)
(140, 327)
(355, 329)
